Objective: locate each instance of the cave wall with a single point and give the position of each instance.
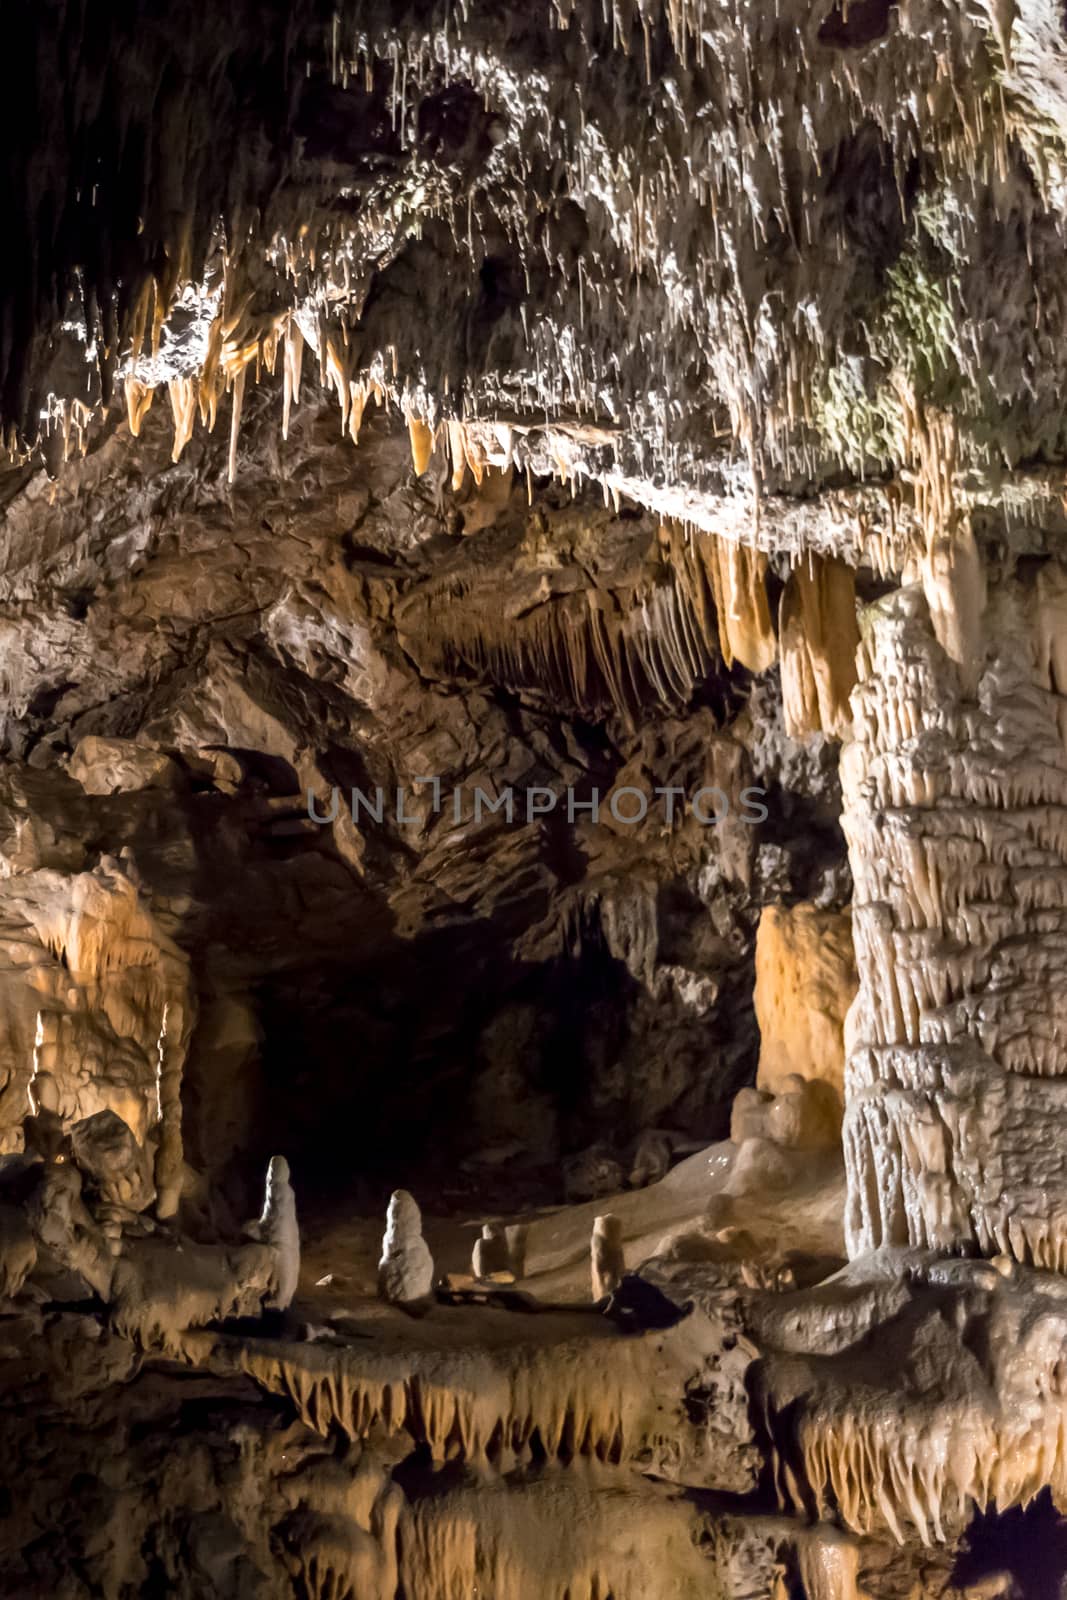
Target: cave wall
(205, 657)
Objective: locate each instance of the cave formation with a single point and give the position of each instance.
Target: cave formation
(533, 800)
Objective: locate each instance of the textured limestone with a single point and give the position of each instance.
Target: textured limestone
(115, 766)
(955, 821)
(106, 1151)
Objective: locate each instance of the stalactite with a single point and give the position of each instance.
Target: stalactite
(291, 369)
(504, 1542)
(651, 644)
(737, 575)
(139, 398)
(183, 406)
(169, 1156)
(421, 438)
(235, 423)
(952, 576)
(561, 1395)
(818, 637)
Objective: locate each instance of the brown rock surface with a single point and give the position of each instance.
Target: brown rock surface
(805, 981)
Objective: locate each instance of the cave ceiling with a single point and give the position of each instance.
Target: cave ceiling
(770, 271)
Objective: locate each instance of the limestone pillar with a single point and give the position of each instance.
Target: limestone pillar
(955, 794)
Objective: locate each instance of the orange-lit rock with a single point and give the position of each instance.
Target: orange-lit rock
(805, 981)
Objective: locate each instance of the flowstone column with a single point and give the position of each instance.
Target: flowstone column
(956, 819)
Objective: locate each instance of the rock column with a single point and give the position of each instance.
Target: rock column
(955, 812)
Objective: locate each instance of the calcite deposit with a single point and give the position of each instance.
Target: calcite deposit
(533, 712)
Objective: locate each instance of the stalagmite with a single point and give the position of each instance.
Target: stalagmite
(278, 1228)
(607, 1257)
(405, 1271)
(490, 1254)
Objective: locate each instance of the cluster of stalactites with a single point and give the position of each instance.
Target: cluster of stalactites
(748, 164)
(563, 1399)
(620, 648)
(924, 1475)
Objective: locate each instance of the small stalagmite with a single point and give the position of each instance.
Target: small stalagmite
(607, 1259)
(279, 1229)
(490, 1252)
(405, 1271)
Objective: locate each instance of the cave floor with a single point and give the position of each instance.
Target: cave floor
(340, 1255)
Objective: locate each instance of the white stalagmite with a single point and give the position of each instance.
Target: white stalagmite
(607, 1257)
(490, 1253)
(405, 1271)
(278, 1228)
